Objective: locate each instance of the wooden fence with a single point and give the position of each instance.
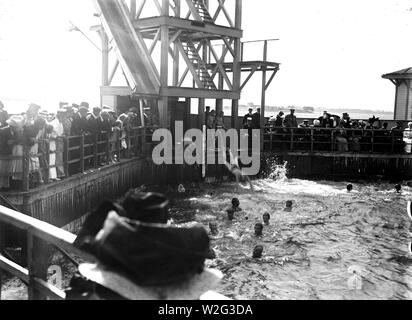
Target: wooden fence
(80, 153)
(40, 236)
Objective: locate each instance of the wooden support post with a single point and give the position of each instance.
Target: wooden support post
(201, 113)
(292, 138)
(108, 148)
(263, 98)
(118, 144)
(236, 65)
(132, 9)
(373, 140)
(47, 161)
(96, 150)
(311, 140)
(164, 68)
(26, 168)
(66, 155)
(82, 153)
(332, 142)
(37, 262)
(105, 61)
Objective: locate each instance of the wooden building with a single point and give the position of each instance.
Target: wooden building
(403, 99)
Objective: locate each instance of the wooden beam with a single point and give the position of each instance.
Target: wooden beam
(199, 93)
(178, 23)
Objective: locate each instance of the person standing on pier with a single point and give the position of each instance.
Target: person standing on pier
(256, 119)
(56, 148)
(290, 120)
(248, 119)
(5, 153)
(4, 116)
(35, 127)
(407, 138)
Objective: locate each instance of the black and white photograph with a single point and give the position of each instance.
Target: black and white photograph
(219, 152)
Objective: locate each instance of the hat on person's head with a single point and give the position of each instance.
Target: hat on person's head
(83, 108)
(151, 261)
(16, 121)
(373, 120)
(33, 108)
(61, 111)
(345, 115)
(85, 104)
(44, 113)
(97, 109)
(146, 207)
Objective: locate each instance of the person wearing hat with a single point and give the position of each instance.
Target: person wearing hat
(290, 120)
(256, 119)
(16, 123)
(139, 257)
(34, 130)
(56, 171)
(247, 119)
(79, 122)
(397, 136)
(6, 147)
(93, 122)
(4, 116)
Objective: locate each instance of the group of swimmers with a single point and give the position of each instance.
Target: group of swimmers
(258, 228)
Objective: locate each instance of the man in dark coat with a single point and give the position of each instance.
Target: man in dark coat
(256, 119)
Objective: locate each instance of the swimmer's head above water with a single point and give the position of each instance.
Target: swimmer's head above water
(289, 204)
(266, 218)
(398, 188)
(213, 228)
(258, 229)
(349, 187)
(257, 252)
(235, 203)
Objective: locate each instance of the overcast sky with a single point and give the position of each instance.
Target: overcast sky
(333, 52)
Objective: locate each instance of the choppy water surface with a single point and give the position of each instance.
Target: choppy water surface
(332, 245)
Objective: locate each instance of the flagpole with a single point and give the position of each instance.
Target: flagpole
(75, 28)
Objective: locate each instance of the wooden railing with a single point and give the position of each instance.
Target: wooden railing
(84, 152)
(40, 237)
(329, 140)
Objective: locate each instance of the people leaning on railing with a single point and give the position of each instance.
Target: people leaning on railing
(336, 134)
(38, 146)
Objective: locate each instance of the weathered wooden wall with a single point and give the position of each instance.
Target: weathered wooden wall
(65, 201)
(348, 166)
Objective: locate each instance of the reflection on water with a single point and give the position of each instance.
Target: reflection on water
(331, 245)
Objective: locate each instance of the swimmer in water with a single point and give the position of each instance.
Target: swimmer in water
(234, 168)
(236, 204)
(214, 231)
(289, 205)
(257, 252)
(349, 187)
(230, 214)
(258, 229)
(266, 218)
(398, 188)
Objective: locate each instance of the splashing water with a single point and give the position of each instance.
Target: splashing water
(331, 245)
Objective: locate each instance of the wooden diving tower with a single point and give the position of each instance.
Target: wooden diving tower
(176, 50)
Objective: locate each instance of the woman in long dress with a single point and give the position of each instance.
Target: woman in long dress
(56, 150)
(16, 124)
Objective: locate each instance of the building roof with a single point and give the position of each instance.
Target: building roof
(401, 74)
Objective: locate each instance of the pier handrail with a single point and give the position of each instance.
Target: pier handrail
(39, 235)
(312, 139)
(82, 149)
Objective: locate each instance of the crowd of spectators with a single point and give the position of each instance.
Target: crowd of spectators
(44, 133)
(348, 135)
